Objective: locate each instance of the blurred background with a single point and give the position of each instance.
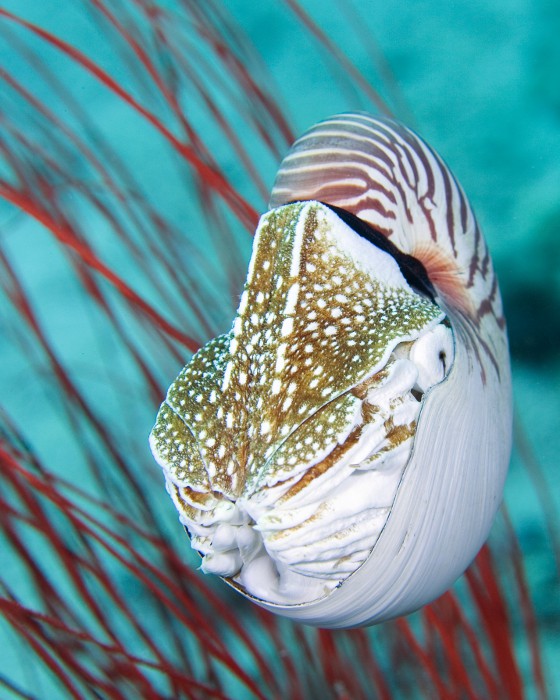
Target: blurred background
(138, 142)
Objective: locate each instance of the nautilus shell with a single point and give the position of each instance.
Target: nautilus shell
(339, 455)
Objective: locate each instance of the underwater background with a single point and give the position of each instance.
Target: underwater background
(134, 160)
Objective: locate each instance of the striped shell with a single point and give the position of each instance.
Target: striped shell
(340, 454)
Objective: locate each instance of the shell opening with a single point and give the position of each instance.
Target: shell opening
(284, 442)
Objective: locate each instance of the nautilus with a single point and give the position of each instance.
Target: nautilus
(339, 455)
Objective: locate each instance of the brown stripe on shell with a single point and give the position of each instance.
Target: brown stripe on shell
(403, 176)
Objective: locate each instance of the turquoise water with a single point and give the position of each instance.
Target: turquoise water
(478, 80)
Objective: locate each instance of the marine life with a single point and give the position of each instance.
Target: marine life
(119, 262)
(340, 454)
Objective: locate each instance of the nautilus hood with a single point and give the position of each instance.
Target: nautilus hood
(284, 441)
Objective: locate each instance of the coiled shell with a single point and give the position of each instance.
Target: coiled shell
(406, 384)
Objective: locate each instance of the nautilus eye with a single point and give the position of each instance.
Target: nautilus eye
(339, 455)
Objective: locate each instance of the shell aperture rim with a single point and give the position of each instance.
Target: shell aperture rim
(318, 452)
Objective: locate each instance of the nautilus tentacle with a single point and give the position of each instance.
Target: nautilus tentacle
(340, 454)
